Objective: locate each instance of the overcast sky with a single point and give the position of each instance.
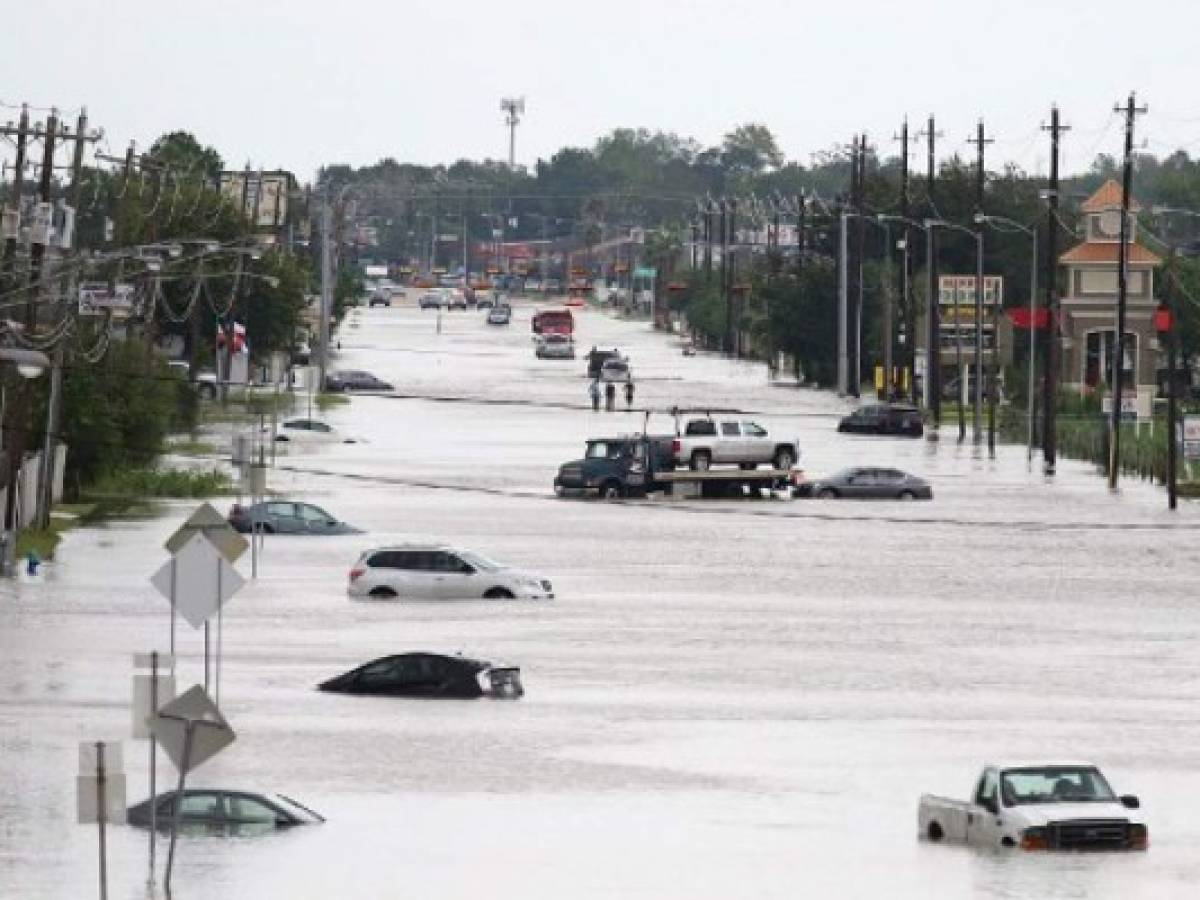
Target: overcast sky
(302, 83)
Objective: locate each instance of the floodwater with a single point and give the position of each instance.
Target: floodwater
(727, 699)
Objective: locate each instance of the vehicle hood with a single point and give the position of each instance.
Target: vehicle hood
(1043, 813)
(519, 574)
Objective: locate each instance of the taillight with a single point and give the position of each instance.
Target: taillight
(357, 572)
(1139, 837)
(1035, 839)
(676, 446)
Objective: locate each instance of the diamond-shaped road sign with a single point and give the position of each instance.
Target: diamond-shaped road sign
(198, 580)
(207, 521)
(210, 732)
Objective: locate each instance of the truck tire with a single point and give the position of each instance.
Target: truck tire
(827, 494)
(934, 832)
(701, 461)
(907, 495)
(498, 593)
(784, 458)
(611, 490)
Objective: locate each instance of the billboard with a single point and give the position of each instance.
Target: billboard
(959, 290)
(245, 187)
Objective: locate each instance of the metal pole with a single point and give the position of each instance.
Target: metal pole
(188, 729)
(101, 804)
(1118, 356)
(888, 299)
(1172, 417)
(977, 393)
(326, 289)
(843, 363)
(933, 348)
(153, 760)
(1033, 288)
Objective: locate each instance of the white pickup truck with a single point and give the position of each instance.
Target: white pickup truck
(704, 441)
(1037, 807)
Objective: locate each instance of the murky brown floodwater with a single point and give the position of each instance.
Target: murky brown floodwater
(728, 699)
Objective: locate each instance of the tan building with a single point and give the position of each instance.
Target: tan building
(1089, 307)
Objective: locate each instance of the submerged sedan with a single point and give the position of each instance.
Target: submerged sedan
(868, 484)
(428, 675)
(223, 811)
(286, 517)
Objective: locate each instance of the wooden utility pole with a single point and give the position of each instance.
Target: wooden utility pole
(933, 341)
(12, 216)
(981, 141)
(1131, 110)
(1051, 343)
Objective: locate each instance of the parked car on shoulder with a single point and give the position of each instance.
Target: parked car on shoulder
(861, 483)
(355, 380)
(555, 346)
(380, 298)
(1037, 807)
(431, 300)
(499, 315)
(705, 441)
(223, 811)
(286, 517)
(441, 572)
(428, 675)
(890, 418)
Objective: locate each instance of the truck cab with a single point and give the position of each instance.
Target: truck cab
(1037, 807)
(614, 467)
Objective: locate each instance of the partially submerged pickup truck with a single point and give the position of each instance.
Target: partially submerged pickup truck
(616, 467)
(1037, 807)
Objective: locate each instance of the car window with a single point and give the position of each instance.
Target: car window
(420, 561)
(729, 429)
(247, 809)
(986, 790)
(311, 513)
(750, 429)
(700, 427)
(378, 674)
(203, 805)
(389, 559)
(892, 475)
(284, 510)
(441, 561)
(297, 424)
(319, 426)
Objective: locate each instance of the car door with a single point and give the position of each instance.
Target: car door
(314, 520)
(984, 825)
(249, 815)
(728, 446)
(200, 812)
(860, 484)
(423, 575)
(458, 577)
(282, 517)
(756, 443)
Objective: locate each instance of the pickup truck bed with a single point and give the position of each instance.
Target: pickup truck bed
(943, 819)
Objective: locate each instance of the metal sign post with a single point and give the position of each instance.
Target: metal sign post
(148, 694)
(100, 794)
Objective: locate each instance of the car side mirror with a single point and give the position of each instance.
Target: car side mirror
(1129, 801)
(990, 806)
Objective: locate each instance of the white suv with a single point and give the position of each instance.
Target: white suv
(439, 572)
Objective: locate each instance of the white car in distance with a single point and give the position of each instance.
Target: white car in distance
(441, 572)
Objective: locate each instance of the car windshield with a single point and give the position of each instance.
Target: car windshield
(847, 474)
(479, 561)
(299, 810)
(1054, 784)
(603, 450)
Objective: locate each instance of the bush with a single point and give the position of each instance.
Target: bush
(163, 483)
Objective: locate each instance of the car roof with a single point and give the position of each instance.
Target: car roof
(1043, 764)
(413, 545)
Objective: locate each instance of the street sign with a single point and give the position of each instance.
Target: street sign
(1191, 438)
(207, 521)
(210, 732)
(96, 297)
(198, 580)
(87, 782)
(144, 688)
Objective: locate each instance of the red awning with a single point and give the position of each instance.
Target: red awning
(1020, 317)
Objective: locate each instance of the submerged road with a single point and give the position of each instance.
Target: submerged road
(727, 699)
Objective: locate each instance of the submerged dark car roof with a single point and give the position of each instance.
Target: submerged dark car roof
(464, 662)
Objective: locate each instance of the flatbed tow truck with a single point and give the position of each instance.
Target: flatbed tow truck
(641, 464)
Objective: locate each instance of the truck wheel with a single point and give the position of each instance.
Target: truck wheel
(934, 832)
(907, 495)
(827, 494)
(701, 461)
(784, 458)
(611, 490)
(498, 593)
(382, 593)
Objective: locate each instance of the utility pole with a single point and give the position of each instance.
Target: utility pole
(54, 403)
(860, 235)
(326, 287)
(1051, 344)
(514, 107)
(727, 346)
(1168, 334)
(734, 307)
(933, 342)
(980, 141)
(1131, 110)
(801, 234)
(909, 321)
(12, 216)
(37, 252)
